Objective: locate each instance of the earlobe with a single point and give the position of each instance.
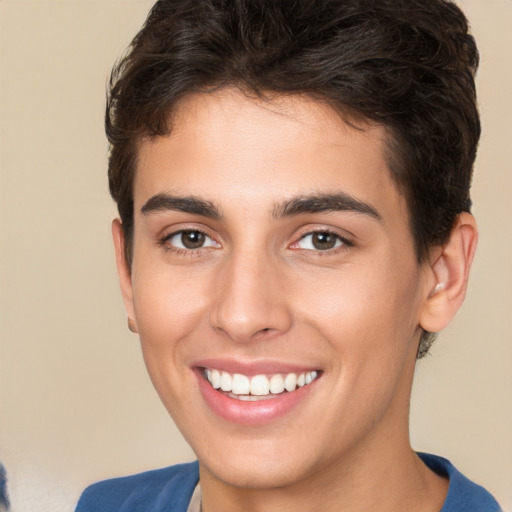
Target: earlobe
(132, 325)
(450, 268)
(124, 272)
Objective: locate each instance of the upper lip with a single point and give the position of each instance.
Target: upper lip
(250, 368)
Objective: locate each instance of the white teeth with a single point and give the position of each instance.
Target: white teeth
(241, 384)
(259, 386)
(310, 377)
(215, 379)
(251, 398)
(226, 381)
(276, 384)
(290, 382)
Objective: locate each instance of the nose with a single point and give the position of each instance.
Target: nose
(250, 299)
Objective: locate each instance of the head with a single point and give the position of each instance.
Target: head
(405, 67)
(293, 186)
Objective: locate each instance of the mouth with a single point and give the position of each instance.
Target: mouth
(256, 393)
(257, 387)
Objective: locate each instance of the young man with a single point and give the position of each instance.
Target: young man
(293, 183)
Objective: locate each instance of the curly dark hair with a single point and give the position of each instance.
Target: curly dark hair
(408, 65)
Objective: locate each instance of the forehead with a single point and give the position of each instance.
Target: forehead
(226, 145)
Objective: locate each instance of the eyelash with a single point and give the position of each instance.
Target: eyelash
(344, 242)
(168, 246)
(165, 242)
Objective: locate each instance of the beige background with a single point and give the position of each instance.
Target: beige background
(76, 405)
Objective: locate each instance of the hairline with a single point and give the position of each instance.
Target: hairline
(347, 115)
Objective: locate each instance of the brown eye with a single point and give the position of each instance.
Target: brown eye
(320, 241)
(190, 239)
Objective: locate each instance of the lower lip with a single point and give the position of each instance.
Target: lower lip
(249, 412)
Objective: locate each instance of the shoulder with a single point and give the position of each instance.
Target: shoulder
(463, 494)
(153, 491)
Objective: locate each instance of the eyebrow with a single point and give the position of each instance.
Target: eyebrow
(319, 203)
(186, 204)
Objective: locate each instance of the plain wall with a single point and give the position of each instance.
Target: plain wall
(76, 404)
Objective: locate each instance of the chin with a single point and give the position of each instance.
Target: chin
(251, 475)
(262, 464)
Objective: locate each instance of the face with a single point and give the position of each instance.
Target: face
(275, 287)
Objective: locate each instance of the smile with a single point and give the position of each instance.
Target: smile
(257, 387)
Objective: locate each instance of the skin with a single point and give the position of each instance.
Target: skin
(258, 290)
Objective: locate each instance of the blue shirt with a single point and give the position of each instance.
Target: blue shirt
(170, 490)
(4, 499)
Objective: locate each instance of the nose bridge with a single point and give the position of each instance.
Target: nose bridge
(250, 299)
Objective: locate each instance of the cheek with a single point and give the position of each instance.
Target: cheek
(353, 301)
(368, 314)
(167, 301)
(168, 307)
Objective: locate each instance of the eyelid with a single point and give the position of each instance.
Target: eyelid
(165, 239)
(345, 241)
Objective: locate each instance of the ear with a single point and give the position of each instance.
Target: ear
(450, 267)
(124, 272)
